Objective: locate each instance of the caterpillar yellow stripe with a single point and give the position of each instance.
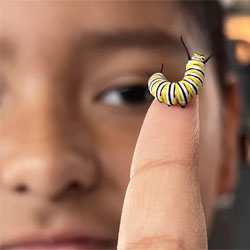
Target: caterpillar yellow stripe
(183, 91)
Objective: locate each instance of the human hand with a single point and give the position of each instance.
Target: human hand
(162, 207)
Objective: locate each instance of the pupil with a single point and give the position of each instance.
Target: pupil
(135, 94)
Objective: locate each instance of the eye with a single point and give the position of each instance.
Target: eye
(126, 95)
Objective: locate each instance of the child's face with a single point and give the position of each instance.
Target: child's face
(70, 125)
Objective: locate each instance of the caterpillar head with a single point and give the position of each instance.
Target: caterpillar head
(198, 57)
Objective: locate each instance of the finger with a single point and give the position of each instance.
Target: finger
(162, 207)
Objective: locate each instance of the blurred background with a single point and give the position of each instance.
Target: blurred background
(231, 228)
(232, 222)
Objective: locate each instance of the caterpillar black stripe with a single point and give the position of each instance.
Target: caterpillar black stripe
(184, 90)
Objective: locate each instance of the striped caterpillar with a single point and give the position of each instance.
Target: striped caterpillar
(184, 90)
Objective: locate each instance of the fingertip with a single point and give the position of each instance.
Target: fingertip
(162, 110)
(168, 132)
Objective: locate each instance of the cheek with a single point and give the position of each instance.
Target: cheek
(114, 148)
(210, 144)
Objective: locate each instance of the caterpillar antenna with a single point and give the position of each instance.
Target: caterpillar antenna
(217, 51)
(161, 68)
(189, 57)
(209, 58)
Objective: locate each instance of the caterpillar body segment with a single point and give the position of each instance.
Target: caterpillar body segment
(182, 91)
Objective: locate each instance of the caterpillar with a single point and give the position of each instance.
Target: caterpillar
(184, 90)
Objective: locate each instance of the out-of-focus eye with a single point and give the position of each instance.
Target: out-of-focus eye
(126, 95)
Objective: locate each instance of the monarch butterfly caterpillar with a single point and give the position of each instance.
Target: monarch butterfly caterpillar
(184, 90)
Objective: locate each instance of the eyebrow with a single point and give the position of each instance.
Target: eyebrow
(151, 39)
(136, 38)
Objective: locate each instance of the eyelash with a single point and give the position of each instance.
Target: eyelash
(126, 95)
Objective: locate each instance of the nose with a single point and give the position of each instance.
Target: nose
(50, 176)
(51, 160)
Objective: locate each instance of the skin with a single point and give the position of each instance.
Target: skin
(66, 147)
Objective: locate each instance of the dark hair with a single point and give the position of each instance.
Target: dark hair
(209, 16)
